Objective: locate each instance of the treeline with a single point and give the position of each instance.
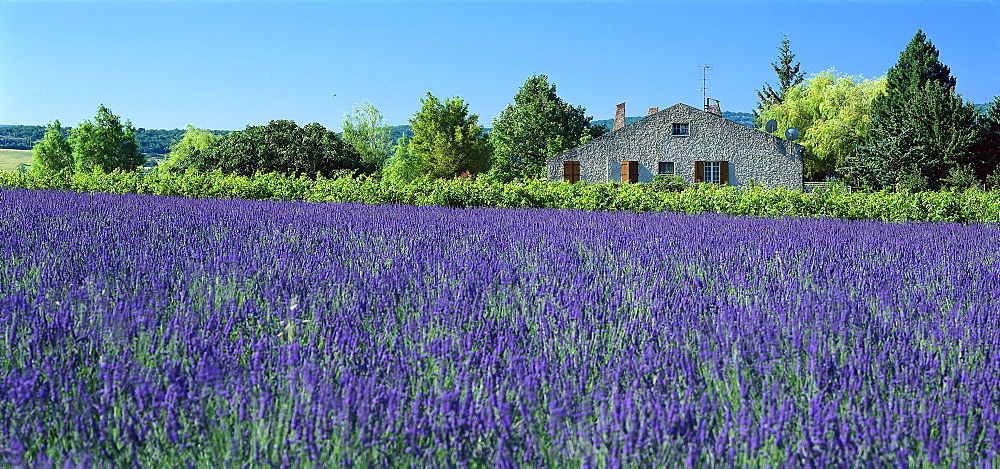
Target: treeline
(155, 143)
(908, 130)
(944, 206)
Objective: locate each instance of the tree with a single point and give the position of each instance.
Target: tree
(105, 144)
(537, 126)
(934, 133)
(402, 166)
(185, 152)
(447, 141)
(280, 146)
(52, 152)
(832, 114)
(917, 121)
(987, 150)
(366, 131)
(917, 64)
(788, 76)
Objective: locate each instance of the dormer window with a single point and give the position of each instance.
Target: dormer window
(680, 130)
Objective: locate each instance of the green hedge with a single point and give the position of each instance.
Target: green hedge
(969, 206)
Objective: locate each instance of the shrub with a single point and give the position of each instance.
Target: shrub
(667, 183)
(836, 202)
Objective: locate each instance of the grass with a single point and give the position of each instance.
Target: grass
(10, 159)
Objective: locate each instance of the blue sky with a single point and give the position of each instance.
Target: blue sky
(225, 65)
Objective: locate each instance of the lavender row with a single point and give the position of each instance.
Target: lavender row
(158, 330)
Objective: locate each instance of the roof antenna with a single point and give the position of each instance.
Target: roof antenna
(704, 84)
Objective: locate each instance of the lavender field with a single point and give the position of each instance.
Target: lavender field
(164, 332)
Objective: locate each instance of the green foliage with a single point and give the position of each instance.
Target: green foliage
(949, 206)
(537, 126)
(187, 150)
(105, 144)
(917, 65)
(993, 180)
(788, 76)
(280, 146)
(935, 131)
(447, 141)
(52, 152)
(918, 119)
(403, 167)
(913, 180)
(832, 114)
(366, 131)
(961, 178)
(987, 150)
(667, 183)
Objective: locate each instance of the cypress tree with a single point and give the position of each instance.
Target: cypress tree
(918, 122)
(917, 64)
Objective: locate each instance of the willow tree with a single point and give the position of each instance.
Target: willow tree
(832, 114)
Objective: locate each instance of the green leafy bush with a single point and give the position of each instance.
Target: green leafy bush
(667, 183)
(754, 200)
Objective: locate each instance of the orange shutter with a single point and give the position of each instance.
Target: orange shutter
(630, 171)
(724, 173)
(699, 171)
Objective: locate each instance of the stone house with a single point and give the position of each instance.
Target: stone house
(697, 145)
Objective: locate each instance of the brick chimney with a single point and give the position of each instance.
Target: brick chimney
(619, 117)
(652, 110)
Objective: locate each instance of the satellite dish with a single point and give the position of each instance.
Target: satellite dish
(792, 134)
(771, 126)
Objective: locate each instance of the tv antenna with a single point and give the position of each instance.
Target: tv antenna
(704, 83)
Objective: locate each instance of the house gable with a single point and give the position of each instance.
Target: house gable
(660, 138)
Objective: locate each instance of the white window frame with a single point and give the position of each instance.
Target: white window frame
(712, 172)
(673, 167)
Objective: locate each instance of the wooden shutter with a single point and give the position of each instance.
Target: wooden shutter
(699, 171)
(724, 173)
(571, 171)
(630, 171)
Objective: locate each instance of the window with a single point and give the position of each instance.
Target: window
(630, 171)
(666, 167)
(680, 129)
(571, 171)
(714, 172)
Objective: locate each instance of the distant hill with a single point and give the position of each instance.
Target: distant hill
(153, 142)
(744, 118)
(156, 142)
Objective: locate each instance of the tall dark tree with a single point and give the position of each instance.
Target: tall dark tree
(789, 75)
(925, 139)
(918, 122)
(537, 126)
(917, 64)
(987, 149)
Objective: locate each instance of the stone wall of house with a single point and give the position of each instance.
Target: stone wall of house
(751, 153)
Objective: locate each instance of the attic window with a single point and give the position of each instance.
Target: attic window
(680, 129)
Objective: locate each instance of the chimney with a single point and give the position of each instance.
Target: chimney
(619, 117)
(713, 108)
(652, 110)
